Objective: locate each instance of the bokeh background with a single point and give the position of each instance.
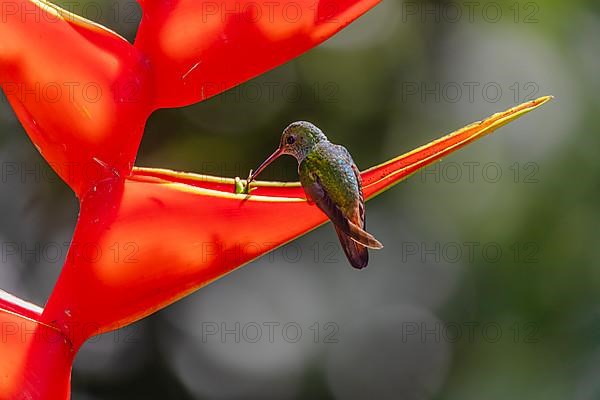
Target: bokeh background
(489, 283)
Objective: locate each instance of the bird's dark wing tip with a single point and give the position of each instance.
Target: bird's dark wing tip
(356, 253)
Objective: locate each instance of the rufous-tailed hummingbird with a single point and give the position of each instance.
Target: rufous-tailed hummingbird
(332, 181)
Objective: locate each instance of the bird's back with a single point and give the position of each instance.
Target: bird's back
(329, 174)
(334, 167)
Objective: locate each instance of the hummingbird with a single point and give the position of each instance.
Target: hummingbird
(332, 181)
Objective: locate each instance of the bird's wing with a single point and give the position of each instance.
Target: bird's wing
(359, 217)
(361, 199)
(318, 193)
(356, 253)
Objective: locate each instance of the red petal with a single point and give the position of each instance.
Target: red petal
(199, 48)
(36, 359)
(77, 88)
(142, 245)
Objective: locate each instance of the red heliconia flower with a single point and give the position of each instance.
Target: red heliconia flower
(147, 237)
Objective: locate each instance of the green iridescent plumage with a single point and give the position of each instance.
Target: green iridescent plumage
(332, 181)
(332, 165)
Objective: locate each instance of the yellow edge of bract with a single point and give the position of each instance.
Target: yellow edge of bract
(35, 321)
(211, 178)
(74, 18)
(487, 125)
(12, 299)
(225, 195)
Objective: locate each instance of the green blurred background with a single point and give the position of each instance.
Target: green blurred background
(487, 286)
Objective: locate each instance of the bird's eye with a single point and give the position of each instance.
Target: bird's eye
(291, 140)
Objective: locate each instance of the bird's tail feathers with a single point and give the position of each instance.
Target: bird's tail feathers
(363, 237)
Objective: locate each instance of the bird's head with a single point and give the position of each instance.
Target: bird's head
(297, 140)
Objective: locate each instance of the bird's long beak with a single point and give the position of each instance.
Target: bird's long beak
(268, 161)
